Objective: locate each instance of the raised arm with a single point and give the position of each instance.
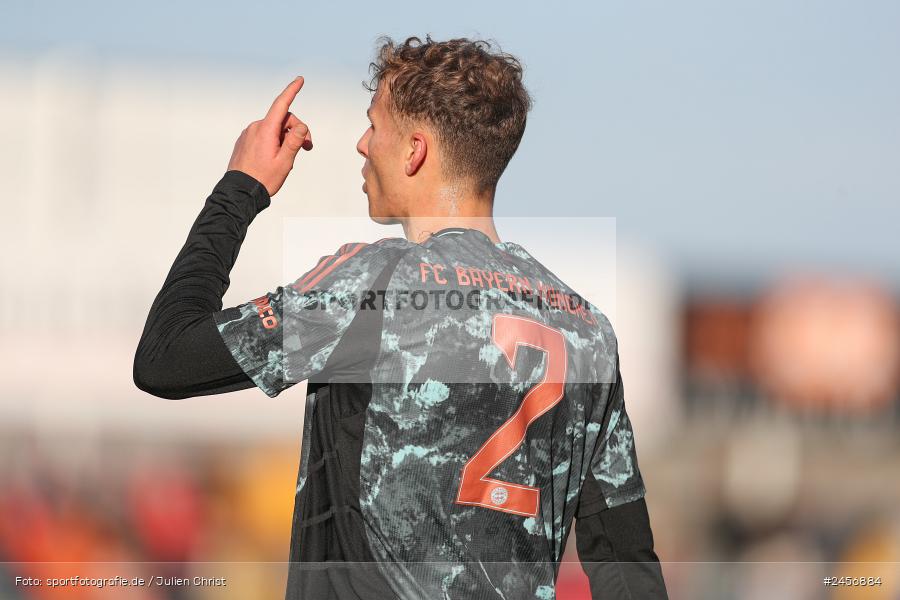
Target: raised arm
(181, 353)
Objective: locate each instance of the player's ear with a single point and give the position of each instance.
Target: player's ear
(418, 150)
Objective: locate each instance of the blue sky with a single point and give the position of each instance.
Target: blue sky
(739, 139)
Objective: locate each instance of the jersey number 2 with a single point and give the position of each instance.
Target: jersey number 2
(475, 487)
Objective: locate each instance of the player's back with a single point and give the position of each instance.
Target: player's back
(463, 405)
(490, 388)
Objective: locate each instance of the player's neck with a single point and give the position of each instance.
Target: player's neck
(451, 206)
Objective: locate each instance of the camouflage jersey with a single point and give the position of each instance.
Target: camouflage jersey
(463, 405)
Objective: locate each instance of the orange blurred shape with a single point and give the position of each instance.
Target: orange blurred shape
(873, 552)
(26, 525)
(61, 544)
(827, 344)
(265, 498)
(716, 332)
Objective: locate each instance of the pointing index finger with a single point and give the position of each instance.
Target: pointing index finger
(279, 110)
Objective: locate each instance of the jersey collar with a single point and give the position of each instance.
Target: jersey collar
(447, 231)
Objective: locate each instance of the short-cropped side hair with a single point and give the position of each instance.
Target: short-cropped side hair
(469, 92)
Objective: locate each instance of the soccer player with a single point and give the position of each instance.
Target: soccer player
(464, 405)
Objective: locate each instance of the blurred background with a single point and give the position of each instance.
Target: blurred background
(748, 152)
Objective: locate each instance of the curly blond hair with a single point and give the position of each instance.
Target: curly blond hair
(471, 94)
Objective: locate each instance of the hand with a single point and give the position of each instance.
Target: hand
(266, 149)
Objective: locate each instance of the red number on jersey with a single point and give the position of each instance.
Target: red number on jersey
(475, 487)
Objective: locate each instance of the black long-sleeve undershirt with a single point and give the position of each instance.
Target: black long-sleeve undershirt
(181, 354)
(615, 547)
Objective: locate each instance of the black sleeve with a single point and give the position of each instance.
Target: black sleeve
(181, 353)
(615, 547)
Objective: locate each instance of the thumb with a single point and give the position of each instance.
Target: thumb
(298, 137)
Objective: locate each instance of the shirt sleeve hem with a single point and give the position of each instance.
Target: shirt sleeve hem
(626, 494)
(253, 372)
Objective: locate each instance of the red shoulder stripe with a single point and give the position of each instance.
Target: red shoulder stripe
(322, 264)
(309, 283)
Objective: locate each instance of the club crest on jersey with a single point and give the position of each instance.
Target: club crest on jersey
(499, 496)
